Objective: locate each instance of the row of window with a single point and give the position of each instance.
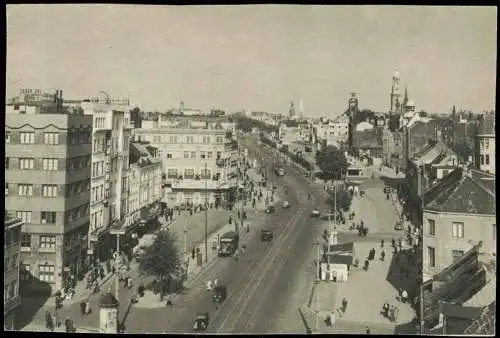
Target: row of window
(44, 242)
(52, 164)
(50, 138)
(50, 217)
(188, 139)
(457, 229)
(431, 256)
(11, 262)
(204, 155)
(188, 173)
(99, 193)
(46, 272)
(484, 159)
(485, 143)
(48, 190)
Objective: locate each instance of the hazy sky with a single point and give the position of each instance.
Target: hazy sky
(256, 57)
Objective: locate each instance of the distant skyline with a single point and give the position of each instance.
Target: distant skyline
(256, 57)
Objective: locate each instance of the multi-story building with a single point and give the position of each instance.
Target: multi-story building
(144, 183)
(111, 136)
(47, 185)
(197, 155)
(486, 144)
(11, 250)
(333, 132)
(459, 213)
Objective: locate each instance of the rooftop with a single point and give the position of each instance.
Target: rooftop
(143, 153)
(463, 192)
(366, 139)
(434, 152)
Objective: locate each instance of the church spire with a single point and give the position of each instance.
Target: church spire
(405, 100)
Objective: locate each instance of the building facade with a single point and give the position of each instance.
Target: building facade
(459, 213)
(47, 186)
(111, 136)
(145, 182)
(197, 156)
(486, 144)
(333, 132)
(11, 251)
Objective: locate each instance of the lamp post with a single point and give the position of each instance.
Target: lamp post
(317, 281)
(118, 233)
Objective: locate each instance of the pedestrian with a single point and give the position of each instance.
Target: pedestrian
(391, 313)
(82, 307)
(396, 312)
(230, 220)
(344, 305)
(332, 319)
(393, 242)
(49, 323)
(382, 256)
(367, 263)
(129, 282)
(382, 243)
(385, 309)
(404, 296)
(87, 307)
(367, 330)
(209, 285)
(193, 253)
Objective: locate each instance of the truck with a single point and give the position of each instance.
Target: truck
(228, 244)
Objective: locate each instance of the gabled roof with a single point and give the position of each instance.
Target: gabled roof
(142, 150)
(484, 296)
(434, 153)
(461, 192)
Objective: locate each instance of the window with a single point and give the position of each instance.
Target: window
(50, 163)
(7, 137)
(48, 242)
(219, 139)
(482, 144)
(27, 138)
(202, 155)
(26, 164)
(157, 139)
(445, 172)
(25, 189)
(48, 217)
(24, 216)
(6, 293)
(457, 230)
(487, 159)
(206, 139)
(204, 173)
(481, 159)
(6, 189)
(7, 160)
(189, 173)
(456, 254)
(431, 255)
(487, 143)
(51, 138)
(432, 227)
(186, 154)
(47, 272)
(24, 272)
(169, 155)
(189, 139)
(173, 139)
(193, 154)
(172, 173)
(209, 155)
(25, 241)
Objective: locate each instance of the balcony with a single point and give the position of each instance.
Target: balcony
(198, 184)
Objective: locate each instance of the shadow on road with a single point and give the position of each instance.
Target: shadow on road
(402, 274)
(406, 328)
(33, 298)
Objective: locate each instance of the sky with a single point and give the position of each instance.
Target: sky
(256, 57)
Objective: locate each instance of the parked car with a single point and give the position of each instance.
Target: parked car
(286, 204)
(387, 189)
(266, 235)
(270, 209)
(399, 226)
(201, 321)
(315, 213)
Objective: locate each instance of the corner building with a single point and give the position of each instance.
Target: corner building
(47, 186)
(197, 155)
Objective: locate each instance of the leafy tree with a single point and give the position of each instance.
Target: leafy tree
(245, 124)
(344, 199)
(332, 162)
(162, 259)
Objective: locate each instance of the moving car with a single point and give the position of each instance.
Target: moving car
(266, 235)
(201, 321)
(315, 213)
(387, 189)
(270, 209)
(286, 204)
(398, 226)
(220, 293)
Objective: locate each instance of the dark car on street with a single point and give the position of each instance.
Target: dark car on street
(270, 209)
(201, 321)
(387, 189)
(266, 235)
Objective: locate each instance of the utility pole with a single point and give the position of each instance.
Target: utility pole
(317, 281)
(422, 321)
(206, 214)
(185, 231)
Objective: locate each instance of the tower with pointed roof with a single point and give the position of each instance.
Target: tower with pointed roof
(395, 94)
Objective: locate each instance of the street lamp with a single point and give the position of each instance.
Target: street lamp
(317, 281)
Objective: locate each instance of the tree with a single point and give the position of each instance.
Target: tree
(162, 259)
(344, 199)
(332, 162)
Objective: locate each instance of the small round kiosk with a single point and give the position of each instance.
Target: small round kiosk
(108, 313)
